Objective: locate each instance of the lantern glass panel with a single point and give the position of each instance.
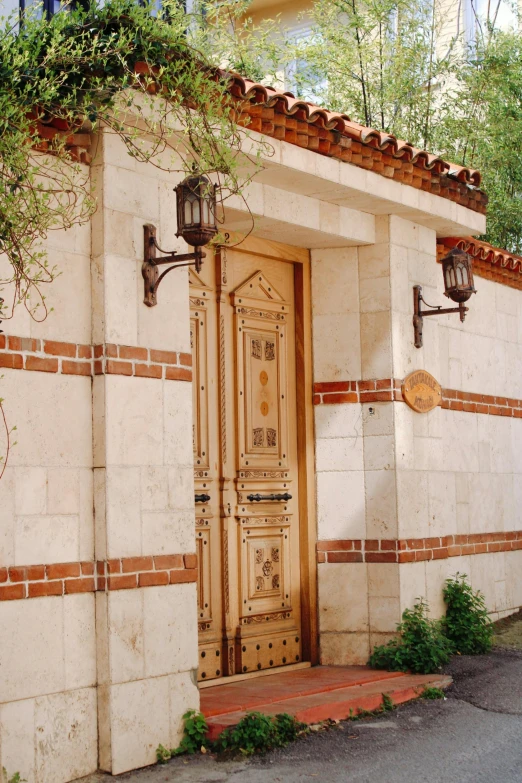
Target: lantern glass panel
(188, 213)
(195, 212)
(206, 216)
(460, 280)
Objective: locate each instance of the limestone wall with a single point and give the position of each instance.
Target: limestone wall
(98, 620)
(407, 499)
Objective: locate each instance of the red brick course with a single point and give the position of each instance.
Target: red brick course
(127, 573)
(24, 353)
(411, 550)
(389, 390)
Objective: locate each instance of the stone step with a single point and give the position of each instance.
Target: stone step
(312, 695)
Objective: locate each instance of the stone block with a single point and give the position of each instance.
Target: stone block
(344, 649)
(341, 505)
(337, 347)
(376, 345)
(383, 580)
(66, 730)
(342, 591)
(332, 454)
(125, 638)
(30, 629)
(135, 431)
(170, 629)
(47, 539)
(139, 721)
(123, 511)
(79, 641)
(384, 614)
(335, 281)
(338, 421)
(381, 504)
(177, 406)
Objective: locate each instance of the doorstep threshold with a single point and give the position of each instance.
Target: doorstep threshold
(292, 667)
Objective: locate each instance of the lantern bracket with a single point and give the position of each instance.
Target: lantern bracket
(151, 276)
(419, 314)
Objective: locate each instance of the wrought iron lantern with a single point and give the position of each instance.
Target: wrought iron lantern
(196, 212)
(457, 270)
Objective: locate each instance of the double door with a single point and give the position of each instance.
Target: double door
(246, 463)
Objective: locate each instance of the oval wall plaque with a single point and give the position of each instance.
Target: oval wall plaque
(421, 391)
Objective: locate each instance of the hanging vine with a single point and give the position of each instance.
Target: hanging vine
(116, 67)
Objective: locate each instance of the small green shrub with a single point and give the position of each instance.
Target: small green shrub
(467, 623)
(194, 737)
(421, 648)
(258, 733)
(432, 693)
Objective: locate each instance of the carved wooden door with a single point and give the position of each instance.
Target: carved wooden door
(245, 399)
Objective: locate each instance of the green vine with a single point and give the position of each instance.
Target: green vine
(116, 67)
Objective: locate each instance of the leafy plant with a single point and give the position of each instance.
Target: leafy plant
(387, 703)
(467, 624)
(194, 738)
(392, 65)
(432, 693)
(116, 66)
(258, 733)
(195, 731)
(14, 778)
(421, 647)
(163, 754)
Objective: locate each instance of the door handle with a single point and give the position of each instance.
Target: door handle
(259, 497)
(201, 498)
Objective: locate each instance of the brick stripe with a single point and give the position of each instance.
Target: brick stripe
(410, 550)
(389, 390)
(25, 353)
(127, 573)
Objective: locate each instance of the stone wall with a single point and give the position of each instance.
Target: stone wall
(97, 563)
(407, 499)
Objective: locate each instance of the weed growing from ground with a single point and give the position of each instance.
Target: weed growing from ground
(432, 693)
(421, 648)
(14, 778)
(194, 737)
(258, 733)
(467, 624)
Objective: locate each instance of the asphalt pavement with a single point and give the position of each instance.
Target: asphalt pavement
(472, 736)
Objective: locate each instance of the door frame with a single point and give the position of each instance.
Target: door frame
(300, 258)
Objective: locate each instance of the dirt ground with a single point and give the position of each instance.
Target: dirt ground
(509, 632)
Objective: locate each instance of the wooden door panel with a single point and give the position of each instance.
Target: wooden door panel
(206, 474)
(245, 458)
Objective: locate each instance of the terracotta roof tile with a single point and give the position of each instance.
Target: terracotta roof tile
(406, 162)
(282, 116)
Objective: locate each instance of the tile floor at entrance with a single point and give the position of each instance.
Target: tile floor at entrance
(312, 695)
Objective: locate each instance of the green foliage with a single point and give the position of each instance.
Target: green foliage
(258, 733)
(163, 754)
(14, 778)
(78, 67)
(387, 703)
(467, 623)
(421, 647)
(194, 738)
(391, 64)
(432, 693)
